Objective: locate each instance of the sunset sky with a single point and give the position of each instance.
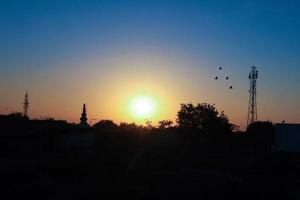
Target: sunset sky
(108, 53)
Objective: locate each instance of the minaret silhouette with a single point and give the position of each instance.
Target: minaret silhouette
(83, 118)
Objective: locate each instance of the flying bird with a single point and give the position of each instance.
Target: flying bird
(216, 78)
(227, 77)
(230, 87)
(220, 68)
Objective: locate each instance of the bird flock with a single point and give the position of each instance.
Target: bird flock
(225, 77)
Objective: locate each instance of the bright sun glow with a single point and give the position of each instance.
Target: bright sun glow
(142, 107)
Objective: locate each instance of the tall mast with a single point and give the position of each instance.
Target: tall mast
(252, 108)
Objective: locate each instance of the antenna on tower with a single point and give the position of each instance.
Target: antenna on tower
(252, 108)
(26, 105)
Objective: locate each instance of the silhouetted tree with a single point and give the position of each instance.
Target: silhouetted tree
(149, 124)
(128, 126)
(106, 124)
(163, 124)
(16, 116)
(204, 117)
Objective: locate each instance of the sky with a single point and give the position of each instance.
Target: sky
(106, 53)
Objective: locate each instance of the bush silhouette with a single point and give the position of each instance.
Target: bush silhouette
(262, 132)
(16, 116)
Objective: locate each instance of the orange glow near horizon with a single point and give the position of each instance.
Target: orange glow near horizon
(105, 54)
(134, 88)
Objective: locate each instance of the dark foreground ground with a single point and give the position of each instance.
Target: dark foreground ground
(153, 174)
(63, 164)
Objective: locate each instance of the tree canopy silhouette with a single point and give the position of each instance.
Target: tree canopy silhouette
(204, 117)
(105, 124)
(128, 126)
(163, 124)
(16, 116)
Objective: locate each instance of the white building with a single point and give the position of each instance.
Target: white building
(288, 138)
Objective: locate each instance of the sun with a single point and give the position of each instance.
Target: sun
(143, 107)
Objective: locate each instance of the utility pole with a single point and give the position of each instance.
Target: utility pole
(26, 105)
